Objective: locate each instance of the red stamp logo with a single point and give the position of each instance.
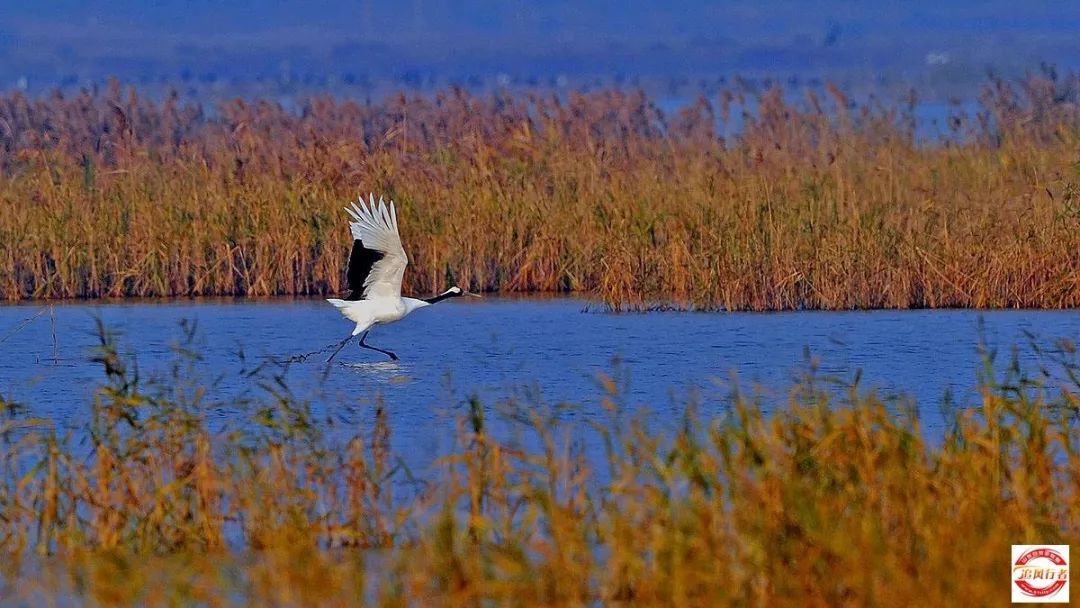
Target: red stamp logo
(1040, 573)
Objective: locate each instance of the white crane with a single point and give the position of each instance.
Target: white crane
(376, 268)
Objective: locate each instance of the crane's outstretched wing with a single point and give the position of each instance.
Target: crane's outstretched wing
(377, 263)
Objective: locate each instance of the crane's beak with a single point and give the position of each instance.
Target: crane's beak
(471, 294)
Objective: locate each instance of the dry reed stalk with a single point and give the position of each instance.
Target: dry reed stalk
(818, 204)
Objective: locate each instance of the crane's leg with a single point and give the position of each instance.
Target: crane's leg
(363, 344)
(340, 346)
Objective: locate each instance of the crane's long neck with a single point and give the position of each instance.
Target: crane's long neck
(412, 304)
(453, 292)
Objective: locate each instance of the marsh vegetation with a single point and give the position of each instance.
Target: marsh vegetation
(832, 498)
(818, 202)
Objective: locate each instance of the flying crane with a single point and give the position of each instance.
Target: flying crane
(376, 268)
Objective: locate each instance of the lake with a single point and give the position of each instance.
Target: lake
(529, 348)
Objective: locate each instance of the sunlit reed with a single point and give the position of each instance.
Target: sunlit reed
(832, 498)
(817, 202)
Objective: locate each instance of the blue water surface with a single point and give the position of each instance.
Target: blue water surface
(533, 350)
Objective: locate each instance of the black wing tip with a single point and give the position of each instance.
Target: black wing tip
(360, 262)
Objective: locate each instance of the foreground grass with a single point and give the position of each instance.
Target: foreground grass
(825, 501)
(819, 204)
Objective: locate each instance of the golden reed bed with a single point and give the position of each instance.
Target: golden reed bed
(832, 499)
(816, 204)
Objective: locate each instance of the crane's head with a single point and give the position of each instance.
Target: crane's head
(453, 292)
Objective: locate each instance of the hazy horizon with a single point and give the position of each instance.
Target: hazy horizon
(333, 46)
